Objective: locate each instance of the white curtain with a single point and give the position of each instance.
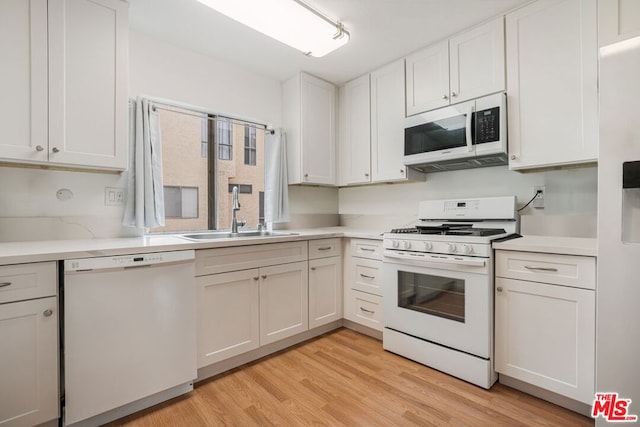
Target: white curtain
(144, 206)
(276, 190)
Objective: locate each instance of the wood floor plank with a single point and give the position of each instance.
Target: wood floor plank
(344, 378)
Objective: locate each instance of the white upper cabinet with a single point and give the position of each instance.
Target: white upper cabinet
(372, 128)
(618, 20)
(65, 75)
(355, 132)
(309, 117)
(23, 104)
(552, 84)
(464, 67)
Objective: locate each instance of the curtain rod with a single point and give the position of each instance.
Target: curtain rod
(192, 111)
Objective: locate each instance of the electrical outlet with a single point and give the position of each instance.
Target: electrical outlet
(538, 202)
(113, 196)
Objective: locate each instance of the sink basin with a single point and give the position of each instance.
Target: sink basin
(215, 235)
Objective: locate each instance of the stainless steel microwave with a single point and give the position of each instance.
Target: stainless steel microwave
(467, 135)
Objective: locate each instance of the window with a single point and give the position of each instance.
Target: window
(224, 138)
(200, 170)
(250, 145)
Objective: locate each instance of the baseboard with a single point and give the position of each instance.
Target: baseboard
(242, 359)
(365, 330)
(549, 396)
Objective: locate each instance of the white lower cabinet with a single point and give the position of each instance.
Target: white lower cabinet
(228, 321)
(284, 297)
(29, 362)
(325, 291)
(545, 332)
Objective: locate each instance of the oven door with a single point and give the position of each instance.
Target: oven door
(441, 134)
(445, 303)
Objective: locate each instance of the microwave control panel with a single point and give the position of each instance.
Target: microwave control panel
(487, 125)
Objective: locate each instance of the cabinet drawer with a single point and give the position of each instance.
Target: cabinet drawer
(365, 309)
(568, 270)
(28, 281)
(366, 248)
(324, 248)
(367, 276)
(211, 261)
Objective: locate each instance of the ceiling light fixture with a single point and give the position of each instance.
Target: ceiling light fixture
(291, 22)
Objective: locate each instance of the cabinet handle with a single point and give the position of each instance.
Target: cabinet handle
(325, 248)
(256, 278)
(499, 289)
(55, 149)
(39, 148)
(445, 97)
(367, 311)
(5, 284)
(367, 249)
(313, 269)
(453, 94)
(513, 157)
(47, 313)
(264, 276)
(541, 268)
(366, 277)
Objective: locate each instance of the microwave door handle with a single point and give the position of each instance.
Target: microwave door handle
(468, 127)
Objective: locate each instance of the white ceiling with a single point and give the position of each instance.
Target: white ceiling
(381, 31)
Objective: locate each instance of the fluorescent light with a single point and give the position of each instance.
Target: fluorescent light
(288, 21)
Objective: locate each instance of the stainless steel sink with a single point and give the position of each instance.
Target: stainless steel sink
(215, 235)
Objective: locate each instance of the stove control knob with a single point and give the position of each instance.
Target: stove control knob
(407, 245)
(466, 249)
(428, 246)
(452, 247)
(395, 243)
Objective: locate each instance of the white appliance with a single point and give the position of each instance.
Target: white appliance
(471, 134)
(129, 333)
(438, 285)
(618, 290)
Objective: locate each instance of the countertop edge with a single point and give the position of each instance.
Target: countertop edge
(579, 246)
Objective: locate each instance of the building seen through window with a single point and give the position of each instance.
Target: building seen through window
(204, 157)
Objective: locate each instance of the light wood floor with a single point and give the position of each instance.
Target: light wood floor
(346, 378)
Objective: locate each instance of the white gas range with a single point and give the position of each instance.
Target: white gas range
(438, 285)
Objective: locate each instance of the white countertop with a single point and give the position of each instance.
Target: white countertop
(549, 244)
(52, 250)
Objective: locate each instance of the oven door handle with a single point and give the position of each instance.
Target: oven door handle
(469, 123)
(473, 262)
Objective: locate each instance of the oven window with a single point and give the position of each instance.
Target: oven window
(434, 136)
(435, 295)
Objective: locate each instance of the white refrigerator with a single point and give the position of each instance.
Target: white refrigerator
(618, 289)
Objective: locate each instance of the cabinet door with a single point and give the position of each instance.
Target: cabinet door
(545, 336)
(355, 129)
(387, 123)
(325, 291)
(228, 315)
(477, 62)
(284, 304)
(29, 362)
(317, 123)
(552, 84)
(88, 74)
(618, 20)
(427, 76)
(23, 104)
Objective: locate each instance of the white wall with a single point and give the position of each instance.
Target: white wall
(29, 209)
(570, 194)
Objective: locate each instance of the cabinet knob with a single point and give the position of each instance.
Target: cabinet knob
(499, 289)
(313, 269)
(445, 97)
(255, 277)
(306, 175)
(401, 171)
(453, 94)
(264, 276)
(512, 157)
(39, 148)
(48, 312)
(367, 175)
(55, 149)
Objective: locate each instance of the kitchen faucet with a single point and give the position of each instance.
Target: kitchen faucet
(235, 207)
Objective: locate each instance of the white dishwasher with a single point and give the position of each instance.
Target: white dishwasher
(129, 333)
